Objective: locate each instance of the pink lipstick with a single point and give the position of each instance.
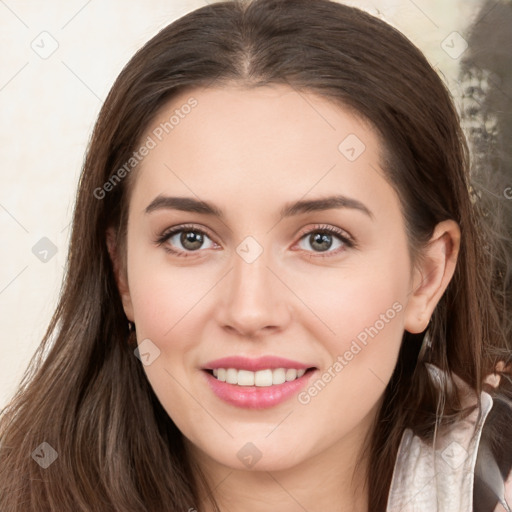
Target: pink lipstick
(256, 383)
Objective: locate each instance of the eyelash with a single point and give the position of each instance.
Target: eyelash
(323, 229)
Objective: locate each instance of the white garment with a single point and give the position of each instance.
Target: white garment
(440, 479)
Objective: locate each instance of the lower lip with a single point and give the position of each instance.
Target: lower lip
(256, 397)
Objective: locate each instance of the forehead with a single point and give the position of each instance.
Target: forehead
(269, 141)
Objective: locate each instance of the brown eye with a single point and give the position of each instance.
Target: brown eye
(321, 240)
(184, 239)
(191, 240)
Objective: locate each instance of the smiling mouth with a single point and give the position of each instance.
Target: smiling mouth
(261, 378)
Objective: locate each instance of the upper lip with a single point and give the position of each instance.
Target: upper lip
(260, 363)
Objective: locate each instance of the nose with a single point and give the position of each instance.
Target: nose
(253, 301)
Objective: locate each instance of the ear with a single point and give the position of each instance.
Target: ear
(120, 273)
(432, 275)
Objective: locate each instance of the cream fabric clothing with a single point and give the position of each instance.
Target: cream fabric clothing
(440, 478)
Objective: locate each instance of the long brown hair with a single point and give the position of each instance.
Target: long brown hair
(87, 396)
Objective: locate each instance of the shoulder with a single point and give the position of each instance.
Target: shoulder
(467, 467)
(438, 474)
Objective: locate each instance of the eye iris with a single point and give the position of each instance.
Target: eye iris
(191, 237)
(323, 239)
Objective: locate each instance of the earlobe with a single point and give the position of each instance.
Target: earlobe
(432, 275)
(119, 273)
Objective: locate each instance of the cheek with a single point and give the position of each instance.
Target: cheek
(163, 295)
(166, 301)
(365, 314)
(361, 309)
(343, 303)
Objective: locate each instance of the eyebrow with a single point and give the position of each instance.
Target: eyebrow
(189, 204)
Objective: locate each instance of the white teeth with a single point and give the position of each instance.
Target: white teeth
(278, 376)
(245, 378)
(231, 376)
(291, 374)
(261, 378)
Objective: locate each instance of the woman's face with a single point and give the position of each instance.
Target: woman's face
(256, 275)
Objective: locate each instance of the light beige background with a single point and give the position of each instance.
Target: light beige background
(49, 105)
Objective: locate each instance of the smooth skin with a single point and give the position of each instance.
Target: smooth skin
(250, 152)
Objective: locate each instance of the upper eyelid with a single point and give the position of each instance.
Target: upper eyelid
(330, 229)
(185, 227)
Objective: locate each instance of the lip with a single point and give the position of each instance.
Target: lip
(255, 397)
(253, 365)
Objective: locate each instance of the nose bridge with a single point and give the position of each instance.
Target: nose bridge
(251, 275)
(253, 299)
